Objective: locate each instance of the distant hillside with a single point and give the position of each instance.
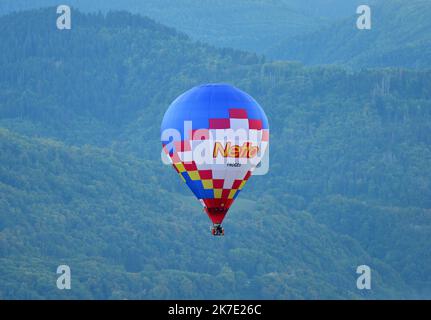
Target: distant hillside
(126, 237)
(327, 9)
(243, 24)
(400, 36)
(81, 180)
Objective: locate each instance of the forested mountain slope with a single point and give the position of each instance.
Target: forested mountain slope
(81, 178)
(124, 236)
(244, 24)
(400, 36)
(310, 31)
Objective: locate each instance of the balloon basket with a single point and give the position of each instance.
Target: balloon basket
(217, 230)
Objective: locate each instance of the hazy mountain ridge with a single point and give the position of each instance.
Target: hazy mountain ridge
(311, 31)
(240, 24)
(400, 36)
(95, 193)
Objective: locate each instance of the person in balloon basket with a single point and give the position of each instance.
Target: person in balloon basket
(217, 230)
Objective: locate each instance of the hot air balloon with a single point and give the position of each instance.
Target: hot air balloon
(215, 135)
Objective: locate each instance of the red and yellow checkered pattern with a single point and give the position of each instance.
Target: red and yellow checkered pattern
(190, 172)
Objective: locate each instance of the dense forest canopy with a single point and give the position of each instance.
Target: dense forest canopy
(225, 23)
(310, 31)
(400, 36)
(81, 180)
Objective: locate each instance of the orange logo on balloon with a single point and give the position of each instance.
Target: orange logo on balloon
(235, 151)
